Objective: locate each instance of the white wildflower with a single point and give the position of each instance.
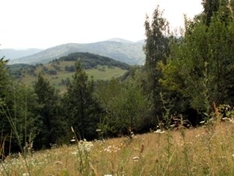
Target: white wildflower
(135, 158)
(202, 122)
(73, 140)
(159, 131)
(25, 174)
(111, 149)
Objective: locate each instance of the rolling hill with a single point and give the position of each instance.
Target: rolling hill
(60, 71)
(118, 49)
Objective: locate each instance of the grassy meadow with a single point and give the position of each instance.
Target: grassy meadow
(206, 150)
(98, 73)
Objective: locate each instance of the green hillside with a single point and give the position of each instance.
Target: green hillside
(127, 52)
(60, 71)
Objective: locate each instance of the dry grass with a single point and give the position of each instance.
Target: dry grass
(202, 151)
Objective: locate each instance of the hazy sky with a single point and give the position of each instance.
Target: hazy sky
(47, 23)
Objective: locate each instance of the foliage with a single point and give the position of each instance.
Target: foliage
(4, 78)
(52, 124)
(197, 72)
(210, 7)
(156, 50)
(124, 107)
(18, 119)
(80, 107)
(200, 65)
(224, 8)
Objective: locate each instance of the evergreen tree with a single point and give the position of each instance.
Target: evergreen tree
(52, 129)
(81, 108)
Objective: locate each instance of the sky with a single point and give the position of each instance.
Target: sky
(47, 23)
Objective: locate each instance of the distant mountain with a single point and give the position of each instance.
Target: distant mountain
(119, 40)
(118, 49)
(13, 54)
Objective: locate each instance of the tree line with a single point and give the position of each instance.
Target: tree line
(184, 75)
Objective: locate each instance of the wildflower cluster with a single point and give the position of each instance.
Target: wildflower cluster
(84, 147)
(16, 162)
(111, 149)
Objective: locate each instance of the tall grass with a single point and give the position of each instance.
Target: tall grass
(192, 152)
(11, 117)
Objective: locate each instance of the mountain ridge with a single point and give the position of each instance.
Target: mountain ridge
(118, 49)
(10, 53)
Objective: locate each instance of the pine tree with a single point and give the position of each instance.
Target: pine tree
(81, 108)
(52, 124)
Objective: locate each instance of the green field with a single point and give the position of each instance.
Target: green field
(60, 71)
(99, 73)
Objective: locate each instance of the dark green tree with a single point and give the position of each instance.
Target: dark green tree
(4, 78)
(53, 125)
(5, 85)
(18, 106)
(214, 7)
(80, 106)
(210, 7)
